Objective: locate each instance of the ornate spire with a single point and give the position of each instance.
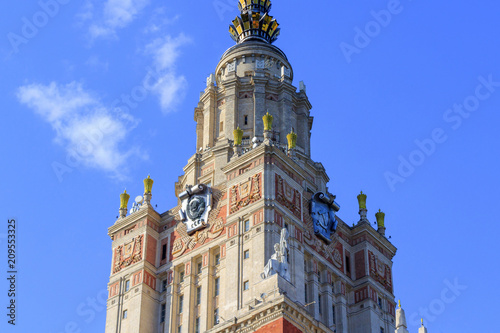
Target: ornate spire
(254, 22)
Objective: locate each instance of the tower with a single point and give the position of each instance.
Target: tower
(255, 243)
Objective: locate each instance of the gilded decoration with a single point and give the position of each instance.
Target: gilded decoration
(245, 193)
(184, 242)
(288, 196)
(128, 253)
(380, 271)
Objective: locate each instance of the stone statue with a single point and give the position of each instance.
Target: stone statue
(278, 263)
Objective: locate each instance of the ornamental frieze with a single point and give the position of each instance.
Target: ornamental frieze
(128, 253)
(245, 193)
(289, 197)
(380, 271)
(183, 242)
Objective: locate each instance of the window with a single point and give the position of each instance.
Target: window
(179, 329)
(246, 285)
(347, 264)
(127, 285)
(164, 252)
(217, 286)
(221, 127)
(381, 330)
(319, 304)
(197, 325)
(181, 277)
(380, 302)
(199, 267)
(163, 311)
(246, 120)
(125, 314)
(247, 225)
(305, 293)
(164, 285)
(181, 303)
(286, 226)
(216, 316)
(246, 254)
(198, 296)
(217, 259)
(333, 315)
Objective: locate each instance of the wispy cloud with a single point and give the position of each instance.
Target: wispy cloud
(107, 19)
(169, 86)
(86, 128)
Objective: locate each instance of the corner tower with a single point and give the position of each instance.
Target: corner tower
(255, 243)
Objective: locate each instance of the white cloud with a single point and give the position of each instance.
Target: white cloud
(168, 85)
(116, 14)
(90, 132)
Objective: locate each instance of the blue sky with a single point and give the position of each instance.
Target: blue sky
(405, 97)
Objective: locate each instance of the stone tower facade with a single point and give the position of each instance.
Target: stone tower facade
(255, 243)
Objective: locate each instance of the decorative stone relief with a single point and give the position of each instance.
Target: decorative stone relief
(245, 193)
(128, 253)
(288, 196)
(182, 242)
(322, 211)
(380, 271)
(196, 205)
(231, 67)
(260, 64)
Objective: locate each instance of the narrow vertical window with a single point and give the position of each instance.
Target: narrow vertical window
(164, 285)
(181, 277)
(217, 286)
(348, 264)
(217, 259)
(198, 296)
(197, 325)
(127, 285)
(333, 315)
(125, 314)
(216, 316)
(246, 120)
(181, 303)
(200, 267)
(246, 254)
(246, 285)
(163, 311)
(164, 252)
(221, 127)
(319, 304)
(247, 225)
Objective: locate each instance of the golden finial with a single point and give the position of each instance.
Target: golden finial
(238, 136)
(380, 219)
(422, 320)
(292, 140)
(148, 185)
(362, 201)
(399, 303)
(268, 122)
(124, 200)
